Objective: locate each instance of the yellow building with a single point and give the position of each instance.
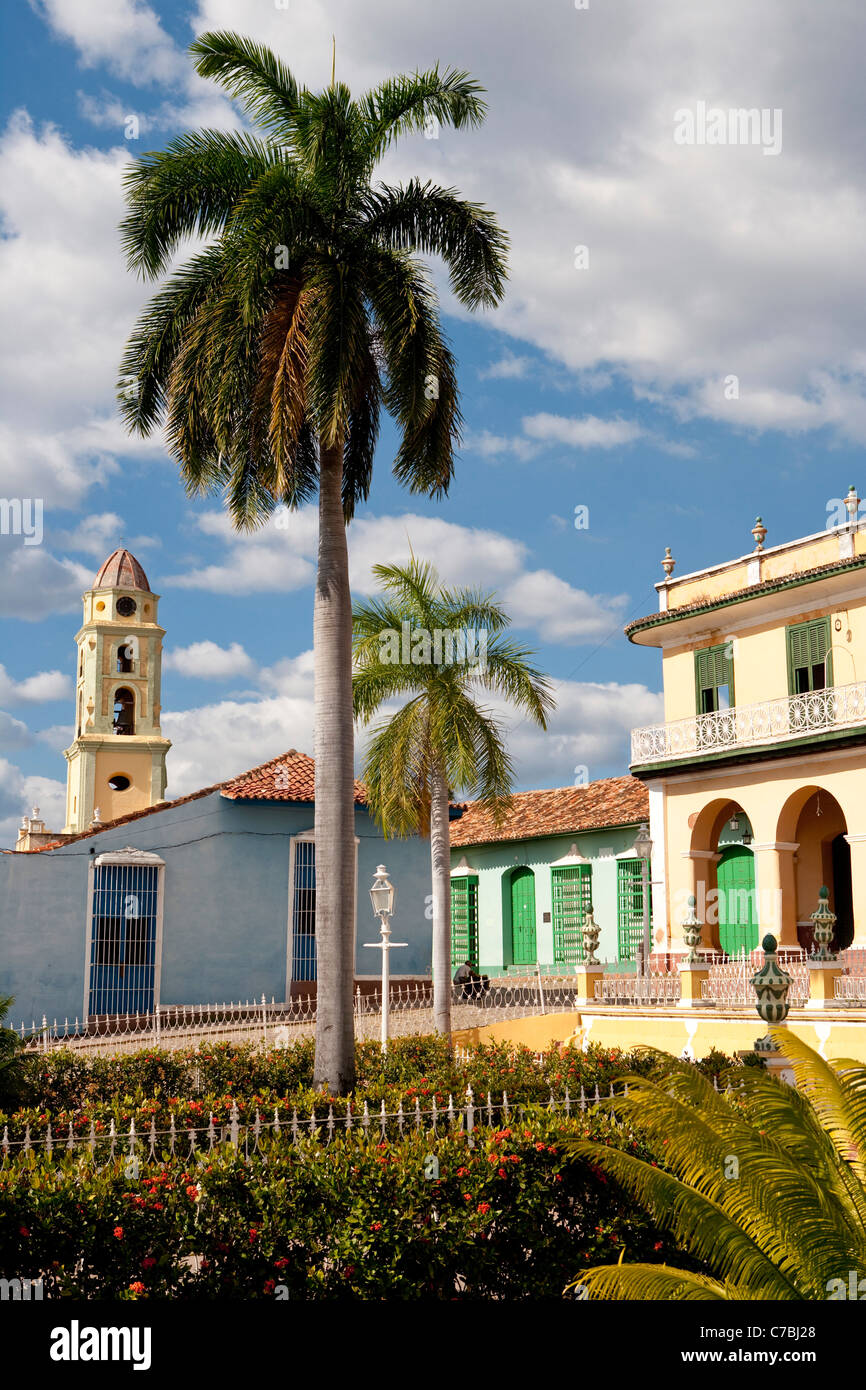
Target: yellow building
(757, 777)
(117, 758)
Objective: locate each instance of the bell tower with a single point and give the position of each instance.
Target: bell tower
(117, 758)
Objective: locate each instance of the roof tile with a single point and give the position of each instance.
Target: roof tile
(611, 801)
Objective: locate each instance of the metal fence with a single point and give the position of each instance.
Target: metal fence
(108, 1144)
(279, 1024)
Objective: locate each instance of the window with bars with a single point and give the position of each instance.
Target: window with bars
(123, 938)
(629, 907)
(304, 912)
(571, 896)
(809, 657)
(464, 920)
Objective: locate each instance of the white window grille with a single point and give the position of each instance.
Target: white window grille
(124, 934)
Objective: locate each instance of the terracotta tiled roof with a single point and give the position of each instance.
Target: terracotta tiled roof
(290, 777)
(121, 571)
(262, 783)
(559, 811)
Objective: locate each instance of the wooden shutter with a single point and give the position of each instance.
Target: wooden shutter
(808, 646)
(713, 668)
(629, 907)
(464, 920)
(571, 896)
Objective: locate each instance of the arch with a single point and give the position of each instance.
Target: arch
(814, 820)
(737, 907)
(125, 657)
(124, 711)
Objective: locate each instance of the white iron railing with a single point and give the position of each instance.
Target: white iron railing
(278, 1024)
(746, 726)
(660, 988)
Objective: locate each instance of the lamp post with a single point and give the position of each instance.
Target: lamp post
(382, 896)
(644, 848)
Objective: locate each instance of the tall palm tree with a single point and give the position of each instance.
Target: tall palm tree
(442, 741)
(766, 1183)
(270, 352)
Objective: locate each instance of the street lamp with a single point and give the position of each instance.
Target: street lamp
(643, 848)
(382, 896)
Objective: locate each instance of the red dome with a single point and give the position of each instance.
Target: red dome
(121, 571)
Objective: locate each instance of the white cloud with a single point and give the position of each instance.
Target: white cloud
(218, 741)
(99, 533)
(703, 261)
(19, 794)
(589, 432)
(33, 583)
(37, 689)
(13, 733)
(589, 729)
(125, 35)
(560, 613)
(274, 560)
(507, 368)
(208, 661)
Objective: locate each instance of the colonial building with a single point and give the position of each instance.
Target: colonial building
(757, 777)
(205, 899)
(520, 890)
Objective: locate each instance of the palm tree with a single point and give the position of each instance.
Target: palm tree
(766, 1184)
(440, 647)
(270, 352)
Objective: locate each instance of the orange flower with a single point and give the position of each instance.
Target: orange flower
(118, 1233)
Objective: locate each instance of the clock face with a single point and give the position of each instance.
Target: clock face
(126, 607)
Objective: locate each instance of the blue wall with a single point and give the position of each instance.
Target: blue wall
(226, 905)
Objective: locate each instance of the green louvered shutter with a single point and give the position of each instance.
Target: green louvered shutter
(629, 907)
(571, 897)
(714, 679)
(464, 920)
(809, 660)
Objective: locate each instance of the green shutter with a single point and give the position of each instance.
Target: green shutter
(809, 646)
(571, 896)
(464, 920)
(714, 667)
(629, 907)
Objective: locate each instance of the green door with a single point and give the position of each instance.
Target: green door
(738, 925)
(523, 917)
(464, 920)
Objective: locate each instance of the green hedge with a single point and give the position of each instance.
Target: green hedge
(506, 1218)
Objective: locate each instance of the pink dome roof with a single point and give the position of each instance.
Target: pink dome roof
(121, 571)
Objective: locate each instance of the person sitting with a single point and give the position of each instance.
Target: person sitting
(470, 985)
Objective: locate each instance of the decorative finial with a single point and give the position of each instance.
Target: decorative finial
(759, 531)
(771, 984)
(824, 923)
(591, 933)
(692, 929)
(852, 504)
(668, 562)
(35, 812)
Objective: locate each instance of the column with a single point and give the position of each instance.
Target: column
(858, 886)
(701, 859)
(776, 891)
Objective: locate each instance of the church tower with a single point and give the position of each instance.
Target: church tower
(117, 758)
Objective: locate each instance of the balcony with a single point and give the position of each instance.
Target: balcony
(786, 720)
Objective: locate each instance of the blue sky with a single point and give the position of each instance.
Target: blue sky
(600, 386)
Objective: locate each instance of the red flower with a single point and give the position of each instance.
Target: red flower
(502, 1173)
(375, 1225)
(253, 1233)
(192, 1192)
(23, 1231)
(270, 1285)
(541, 1147)
(658, 1245)
(467, 1196)
(557, 1177)
(463, 1172)
(484, 1208)
(137, 1287)
(118, 1233)
(148, 1262)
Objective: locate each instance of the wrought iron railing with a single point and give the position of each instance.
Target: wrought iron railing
(746, 726)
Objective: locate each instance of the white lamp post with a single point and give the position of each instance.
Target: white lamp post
(644, 848)
(382, 896)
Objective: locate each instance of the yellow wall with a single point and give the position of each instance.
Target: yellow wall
(671, 1032)
(760, 653)
(796, 558)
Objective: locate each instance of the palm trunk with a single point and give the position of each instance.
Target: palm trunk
(334, 1067)
(440, 855)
